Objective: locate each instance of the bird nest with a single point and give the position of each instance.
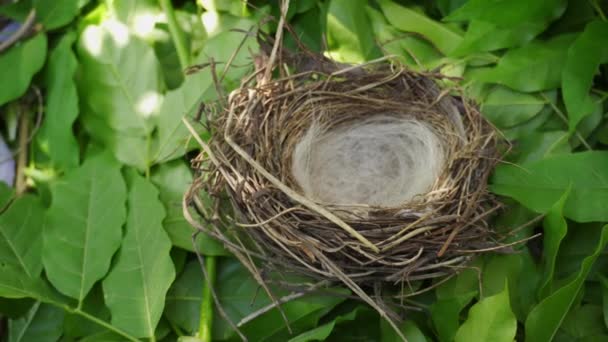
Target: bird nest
(360, 174)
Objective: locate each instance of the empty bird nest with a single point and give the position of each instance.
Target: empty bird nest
(360, 174)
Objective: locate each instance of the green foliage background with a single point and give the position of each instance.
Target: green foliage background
(98, 250)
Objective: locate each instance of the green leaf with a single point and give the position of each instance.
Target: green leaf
(411, 50)
(445, 314)
(491, 319)
(507, 108)
(409, 329)
(41, 324)
(555, 228)
(84, 225)
(21, 227)
(76, 326)
(604, 282)
(408, 20)
(585, 55)
(173, 179)
(540, 145)
(56, 13)
(120, 88)
(55, 136)
(538, 185)
(16, 284)
(322, 332)
(501, 24)
(172, 139)
(544, 320)
(349, 32)
(240, 296)
(533, 67)
(135, 288)
(583, 322)
(183, 302)
(139, 15)
(221, 48)
(19, 64)
(452, 297)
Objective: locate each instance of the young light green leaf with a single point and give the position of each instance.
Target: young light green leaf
(555, 228)
(538, 185)
(533, 67)
(120, 87)
(84, 225)
(135, 288)
(56, 13)
(546, 318)
(585, 55)
(19, 64)
(491, 319)
(41, 324)
(349, 32)
(405, 19)
(501, 24)
(21, 227)
(55, 136)
(506, 108)
(173, 180)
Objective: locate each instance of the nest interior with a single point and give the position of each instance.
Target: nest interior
(276, 219)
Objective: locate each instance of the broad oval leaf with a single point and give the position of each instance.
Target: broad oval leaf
(349, 32)
(14, 283)
(405, 19)
(545, 319)
(584, 57)
(120, 87)
(172, 137)
(538, 185)
(411, 50)
(42, 323)
(135, 288)
(55, 136)
(21, 227)
(19, 64)
(495, 25)
(56, 13)
(533, 67)
(84, 225)
(506, 108)
(491, 319)
(173, 179)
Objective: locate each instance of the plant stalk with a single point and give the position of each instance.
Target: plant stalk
(206, 318)
(24, 132)
(177, 35)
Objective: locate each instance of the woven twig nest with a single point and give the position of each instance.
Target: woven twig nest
(275, 153)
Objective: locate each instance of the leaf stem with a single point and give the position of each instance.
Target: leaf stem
(206, 318)
(179, 39)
